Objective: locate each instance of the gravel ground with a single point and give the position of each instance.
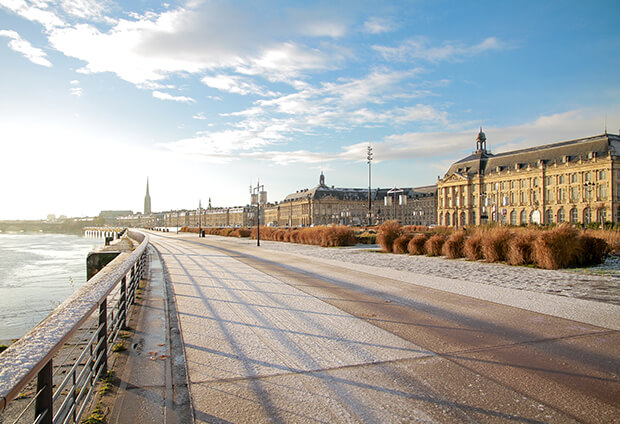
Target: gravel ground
(600, 283)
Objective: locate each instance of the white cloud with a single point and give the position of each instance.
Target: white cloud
(200, 116)
(235, 84)
(378, 25)
(420, 48)
(323, 28)
(33, 54)
(35, 12)
(85, 9)
(165, 96)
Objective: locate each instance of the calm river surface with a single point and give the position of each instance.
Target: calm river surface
(37, 273)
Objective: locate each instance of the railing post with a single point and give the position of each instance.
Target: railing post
(123, 301)
(43, 405)
(103, 336)
(133, 283)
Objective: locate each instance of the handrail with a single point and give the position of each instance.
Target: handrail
(26, 358)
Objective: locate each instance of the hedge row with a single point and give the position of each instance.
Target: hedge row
(559, 247)
(319, 236)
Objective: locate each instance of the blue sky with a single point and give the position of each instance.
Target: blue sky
(207, 97)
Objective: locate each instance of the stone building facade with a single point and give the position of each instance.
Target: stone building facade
(326, 205)
(573, 181)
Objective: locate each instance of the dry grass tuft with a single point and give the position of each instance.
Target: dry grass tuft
(434, 245)
(473, 247)
(401, 243)
(416, 244)
(453, 247)
(521, 246)
(388, 232)
(495, 244)
(557, 248)
(593, 249)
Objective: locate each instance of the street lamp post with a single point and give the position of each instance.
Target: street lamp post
(589, 186)
(393, 192)
(369, 157)
(199, 218)
(258, 197)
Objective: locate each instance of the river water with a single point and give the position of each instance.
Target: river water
(37, 273)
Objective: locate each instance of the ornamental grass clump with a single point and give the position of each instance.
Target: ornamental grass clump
(401, 243)
(557, 248)
(472, 248)
(593, 249)
(338, 236)
(495, 244)
(416, 244)
(453, 247)
(521, 246)
(388, 232)
(434, 245)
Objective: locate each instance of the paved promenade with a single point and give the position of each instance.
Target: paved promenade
(274, 336)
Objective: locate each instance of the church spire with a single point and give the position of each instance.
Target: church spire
(147, 199)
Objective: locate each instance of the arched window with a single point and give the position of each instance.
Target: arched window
(549, 217)
(601, 215)
(587, 216)
(574, 216)
(513, 217)
(440, 220)
(473, 218)
(523, 218)
(463, 220)
(561, 215)
(455, 219)
(447, 219)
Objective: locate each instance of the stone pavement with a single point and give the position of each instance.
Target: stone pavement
(273, 337)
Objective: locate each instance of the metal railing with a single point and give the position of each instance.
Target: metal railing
(68, 351)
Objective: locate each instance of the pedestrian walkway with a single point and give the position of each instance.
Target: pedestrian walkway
(275, 339)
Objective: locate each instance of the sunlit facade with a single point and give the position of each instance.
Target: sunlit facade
(572, 181)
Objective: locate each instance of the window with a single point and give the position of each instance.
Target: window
(602, 192)
(535, 195)
(573, 178)
(513, 218)
(588, 176)
(561, 179)
(522, 196)
(473, 218)
(523, 219)
(574, 195)
(562, 195)
(549, 195)
(523, 183)
(535, 181)
(602, 175)
(561, 215)
(549, 217)
(574, 216)
(602, 215)
(549, 181)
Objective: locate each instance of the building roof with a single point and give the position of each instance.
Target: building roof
(565, 151)
(322, 191)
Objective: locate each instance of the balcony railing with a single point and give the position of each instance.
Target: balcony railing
(49, 375)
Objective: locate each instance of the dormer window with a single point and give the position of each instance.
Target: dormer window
(565, 159)
(498, 169)
(517, 166)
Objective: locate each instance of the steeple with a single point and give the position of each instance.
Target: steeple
(322, 179)
(481, 142)
(147, 199)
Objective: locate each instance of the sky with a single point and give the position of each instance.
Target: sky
(205, 98)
